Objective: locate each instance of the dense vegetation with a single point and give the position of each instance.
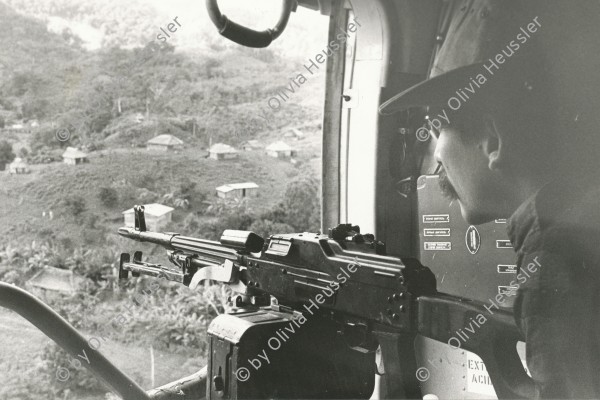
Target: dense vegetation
(97, 95)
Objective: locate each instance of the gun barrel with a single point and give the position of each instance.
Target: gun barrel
(207, 250)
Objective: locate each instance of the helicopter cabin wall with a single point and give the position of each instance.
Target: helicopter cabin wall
(371, 177)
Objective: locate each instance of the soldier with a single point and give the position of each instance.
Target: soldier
(513, 99)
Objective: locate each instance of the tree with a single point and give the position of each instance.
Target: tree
(6, 153)
(74, 205)
(302, 205)
(108, 196)
(35, 108)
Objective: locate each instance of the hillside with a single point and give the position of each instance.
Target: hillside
(130, 172)
(85, 74)
(52, 78)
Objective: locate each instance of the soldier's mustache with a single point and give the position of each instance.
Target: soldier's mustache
(446, 187)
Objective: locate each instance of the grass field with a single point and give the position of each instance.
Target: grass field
(21, 345)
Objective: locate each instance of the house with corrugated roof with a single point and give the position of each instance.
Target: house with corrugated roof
(164, 143)
(157, 216)
(237, 190)
(221, 151)
(294, 133)
(73, 156)
(280, 150)
(55, 280)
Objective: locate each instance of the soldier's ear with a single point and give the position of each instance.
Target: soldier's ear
(494, 143)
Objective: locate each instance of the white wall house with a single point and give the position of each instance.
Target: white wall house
(221, 151)
(280, 150)
(157, 216)
(72, 156)
(238, 190)
(18, 166)
(164, 143)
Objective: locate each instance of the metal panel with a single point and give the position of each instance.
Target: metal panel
(473, 262)
(453, 373)
(330, 214)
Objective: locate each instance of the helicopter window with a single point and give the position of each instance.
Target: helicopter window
(105, 105)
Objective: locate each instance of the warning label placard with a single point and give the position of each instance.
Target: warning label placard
(507, 269)
(436, 232)
(433, 246)
(436, 218)
(478, 380)
(503, 244)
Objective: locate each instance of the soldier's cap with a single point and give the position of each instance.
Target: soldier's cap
(479, 30)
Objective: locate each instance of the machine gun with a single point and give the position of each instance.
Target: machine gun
(337, 299)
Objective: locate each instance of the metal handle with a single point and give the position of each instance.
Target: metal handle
(246, 36)
(56, 328)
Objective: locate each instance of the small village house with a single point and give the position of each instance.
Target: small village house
(280, 150)
(72, 156)
(157, 216)
(55, 280)
(237, 190)
(293, 133)
(221, 151)
(164, 143)
(251, 145)
(18, 166)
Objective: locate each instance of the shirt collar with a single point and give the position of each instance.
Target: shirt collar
(546, 208)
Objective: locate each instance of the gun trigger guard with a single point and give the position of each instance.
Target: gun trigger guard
(225, 273)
